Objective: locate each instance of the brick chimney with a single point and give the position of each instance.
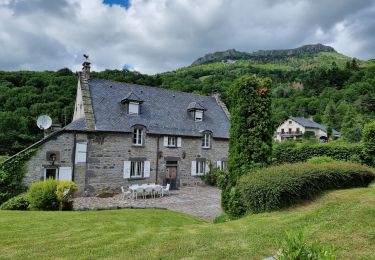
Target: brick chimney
(86, 68)
(216, 94)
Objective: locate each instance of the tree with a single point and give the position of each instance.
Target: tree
(368, 139)
(329, 116)
(351, 126)
(250, 143)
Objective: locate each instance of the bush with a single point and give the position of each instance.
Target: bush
(19, 202)
(211, 178)
(301, 153)
(321, 159)
(295, 247)
(368, 139)
(65, 191)
(42, 195)
(285, 185)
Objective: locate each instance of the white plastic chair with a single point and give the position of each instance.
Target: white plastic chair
(158, 190)
(139, 191)
(148, 191)
(125, 193)
(166, 189)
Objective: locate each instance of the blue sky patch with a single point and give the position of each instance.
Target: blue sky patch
(123, 3)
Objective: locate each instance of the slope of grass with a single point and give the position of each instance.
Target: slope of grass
(344, 218)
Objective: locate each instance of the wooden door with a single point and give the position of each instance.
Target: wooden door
(171, 176)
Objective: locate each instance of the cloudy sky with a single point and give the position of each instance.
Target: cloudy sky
(158, 35)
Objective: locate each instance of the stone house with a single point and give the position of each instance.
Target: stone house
(294, 127)
(123, 134)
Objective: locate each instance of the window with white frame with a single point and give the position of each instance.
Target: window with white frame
(200, 167)
(138, 136)
(133, 108)
(198, 115)
(206, 140)
(172, 141)
(223, 165)
(136, 169)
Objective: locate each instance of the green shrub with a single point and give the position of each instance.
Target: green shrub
(42, 195)
(211, 177)
(320, 159)
(368, 139)
(65, 191)
(285, 185)
(19, 202)
(301, 153)
(295, 247)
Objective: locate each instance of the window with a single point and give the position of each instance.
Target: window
(136, 169)
(50, 173)
(138, 136)
(282, 131)
(206, 140)
(200, 167)
(223, 165)
(290, 122)
(198, 115)
(133, 108)
(172, 141)
(290, 130)
(81, 152)
(297, 130)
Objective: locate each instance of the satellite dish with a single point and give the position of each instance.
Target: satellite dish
(44, 122)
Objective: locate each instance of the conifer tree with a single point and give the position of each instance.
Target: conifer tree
(250, 143)
(351, 128)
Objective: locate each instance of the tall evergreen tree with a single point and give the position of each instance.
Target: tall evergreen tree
(329, 117)
(250, 144)
(351, 129)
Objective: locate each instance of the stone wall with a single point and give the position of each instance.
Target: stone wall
(106, 153)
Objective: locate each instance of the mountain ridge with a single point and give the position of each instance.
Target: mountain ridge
(263, 55)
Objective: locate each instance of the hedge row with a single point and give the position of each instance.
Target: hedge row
(290, 153)
(285, 185)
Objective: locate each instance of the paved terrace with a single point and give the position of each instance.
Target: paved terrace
(201, 201)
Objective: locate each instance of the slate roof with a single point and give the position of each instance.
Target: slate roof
(195, 106)
(131, 97)
(163, 111)
(306, 122)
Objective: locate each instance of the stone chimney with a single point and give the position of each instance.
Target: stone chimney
(86, 68)
(216, 94)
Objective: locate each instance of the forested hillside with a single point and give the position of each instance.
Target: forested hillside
(308, 81)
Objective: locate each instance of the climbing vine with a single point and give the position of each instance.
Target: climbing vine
(12, 173)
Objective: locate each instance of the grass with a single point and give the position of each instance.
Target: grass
(345, 218)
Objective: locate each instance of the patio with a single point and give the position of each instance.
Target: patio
(200, 201)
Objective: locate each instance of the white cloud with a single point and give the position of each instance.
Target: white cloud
(160, 35)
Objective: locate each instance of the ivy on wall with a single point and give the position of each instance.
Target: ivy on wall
(12, 173)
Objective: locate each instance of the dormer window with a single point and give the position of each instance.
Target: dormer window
(197, 110)
(132, 103)
(198, 115)
(133, 108)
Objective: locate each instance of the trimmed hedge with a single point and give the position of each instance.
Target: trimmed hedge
(285, 185)
(42, 195)
(301, 153)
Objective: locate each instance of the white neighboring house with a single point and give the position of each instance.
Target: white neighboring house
(294, 127)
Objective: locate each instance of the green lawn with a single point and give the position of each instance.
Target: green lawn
(345, 218)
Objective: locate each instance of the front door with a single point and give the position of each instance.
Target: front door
(171, 176)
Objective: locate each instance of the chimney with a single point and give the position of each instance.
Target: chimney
(86, 67)
(216, 95)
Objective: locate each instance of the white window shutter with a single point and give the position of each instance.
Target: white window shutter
(179, 141)
(81, 152)
(218, 164)
(146, 166)
(207, 167)
(65, 173)
(165, 141)
(193, 168)
(127, 169)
